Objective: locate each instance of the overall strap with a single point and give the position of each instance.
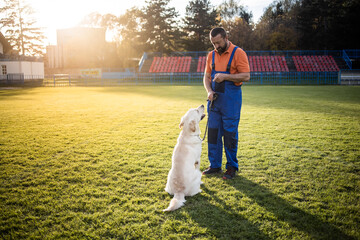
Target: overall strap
(231, 58)
(213, 60)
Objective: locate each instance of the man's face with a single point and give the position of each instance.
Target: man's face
(219, 43)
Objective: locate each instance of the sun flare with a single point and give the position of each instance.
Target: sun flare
(53, 15)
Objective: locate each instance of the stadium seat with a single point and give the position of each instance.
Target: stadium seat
(268, 64)
(201, 64)
(170, 64)
(314, 63)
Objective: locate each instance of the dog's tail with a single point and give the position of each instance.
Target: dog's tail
(177, 202)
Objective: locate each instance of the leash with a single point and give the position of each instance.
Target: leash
(207, 123)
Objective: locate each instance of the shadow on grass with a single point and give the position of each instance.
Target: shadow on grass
(219, 219)
(284, 211)
(335, 100)
(6, 92)
(188, 93)
(309, 99)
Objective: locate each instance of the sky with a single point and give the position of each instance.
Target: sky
(60, 14)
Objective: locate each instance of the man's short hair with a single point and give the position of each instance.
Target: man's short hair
(218, 30)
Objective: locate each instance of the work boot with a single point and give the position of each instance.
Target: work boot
(230, 173)
(211, 171)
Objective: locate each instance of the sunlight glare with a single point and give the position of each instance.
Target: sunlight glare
(53, 15)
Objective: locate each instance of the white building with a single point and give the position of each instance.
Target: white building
(17, 69)
(30, 70)
(77, 48)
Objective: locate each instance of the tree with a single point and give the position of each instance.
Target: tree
(277, 29)
(199, 19)
(95, 19)
(125, 29)
(326, 24)
(237, 21)
(313, 25)
(284, 38)
(240, 32)
(20, 30)
(130, 46)
(159, 31)
(231, 9)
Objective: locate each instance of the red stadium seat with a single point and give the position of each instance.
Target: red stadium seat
(313, 63)
(201, 64)
(268, 64)
(170, 64)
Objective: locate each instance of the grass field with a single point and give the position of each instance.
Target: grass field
(91, 163)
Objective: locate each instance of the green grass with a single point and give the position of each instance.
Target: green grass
(91, 163)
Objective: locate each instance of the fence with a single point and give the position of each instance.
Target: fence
(295, 78)
(19, 79)
(347, 59)
(136, 79)
(264, 78)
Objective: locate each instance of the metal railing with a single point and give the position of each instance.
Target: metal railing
(347, 59)
(19, 79)
(260, 78)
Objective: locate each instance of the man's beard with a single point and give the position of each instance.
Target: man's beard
(221, 50)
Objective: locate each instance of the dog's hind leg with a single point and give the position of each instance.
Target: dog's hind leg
(195, 188)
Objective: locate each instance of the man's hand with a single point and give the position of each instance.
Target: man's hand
(219, 77)
(211, 95)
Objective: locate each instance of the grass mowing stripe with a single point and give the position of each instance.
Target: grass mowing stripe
(92, 163)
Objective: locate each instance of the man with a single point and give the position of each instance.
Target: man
(227, 67)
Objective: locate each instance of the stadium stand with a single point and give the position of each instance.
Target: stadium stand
(268, 64)
(260, 61)
(170, 64)
(288, 67)
(315, 64)
(201, 64)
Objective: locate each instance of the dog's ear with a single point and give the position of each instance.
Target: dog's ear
(192, 126)
(181, 123)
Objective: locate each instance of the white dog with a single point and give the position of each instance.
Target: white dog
(184, 177)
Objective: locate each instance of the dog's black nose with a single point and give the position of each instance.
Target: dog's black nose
(202, 106)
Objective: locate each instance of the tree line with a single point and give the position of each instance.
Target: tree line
(157, 27)
(284, 25)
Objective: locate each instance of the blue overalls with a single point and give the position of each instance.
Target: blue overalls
(224, 119)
